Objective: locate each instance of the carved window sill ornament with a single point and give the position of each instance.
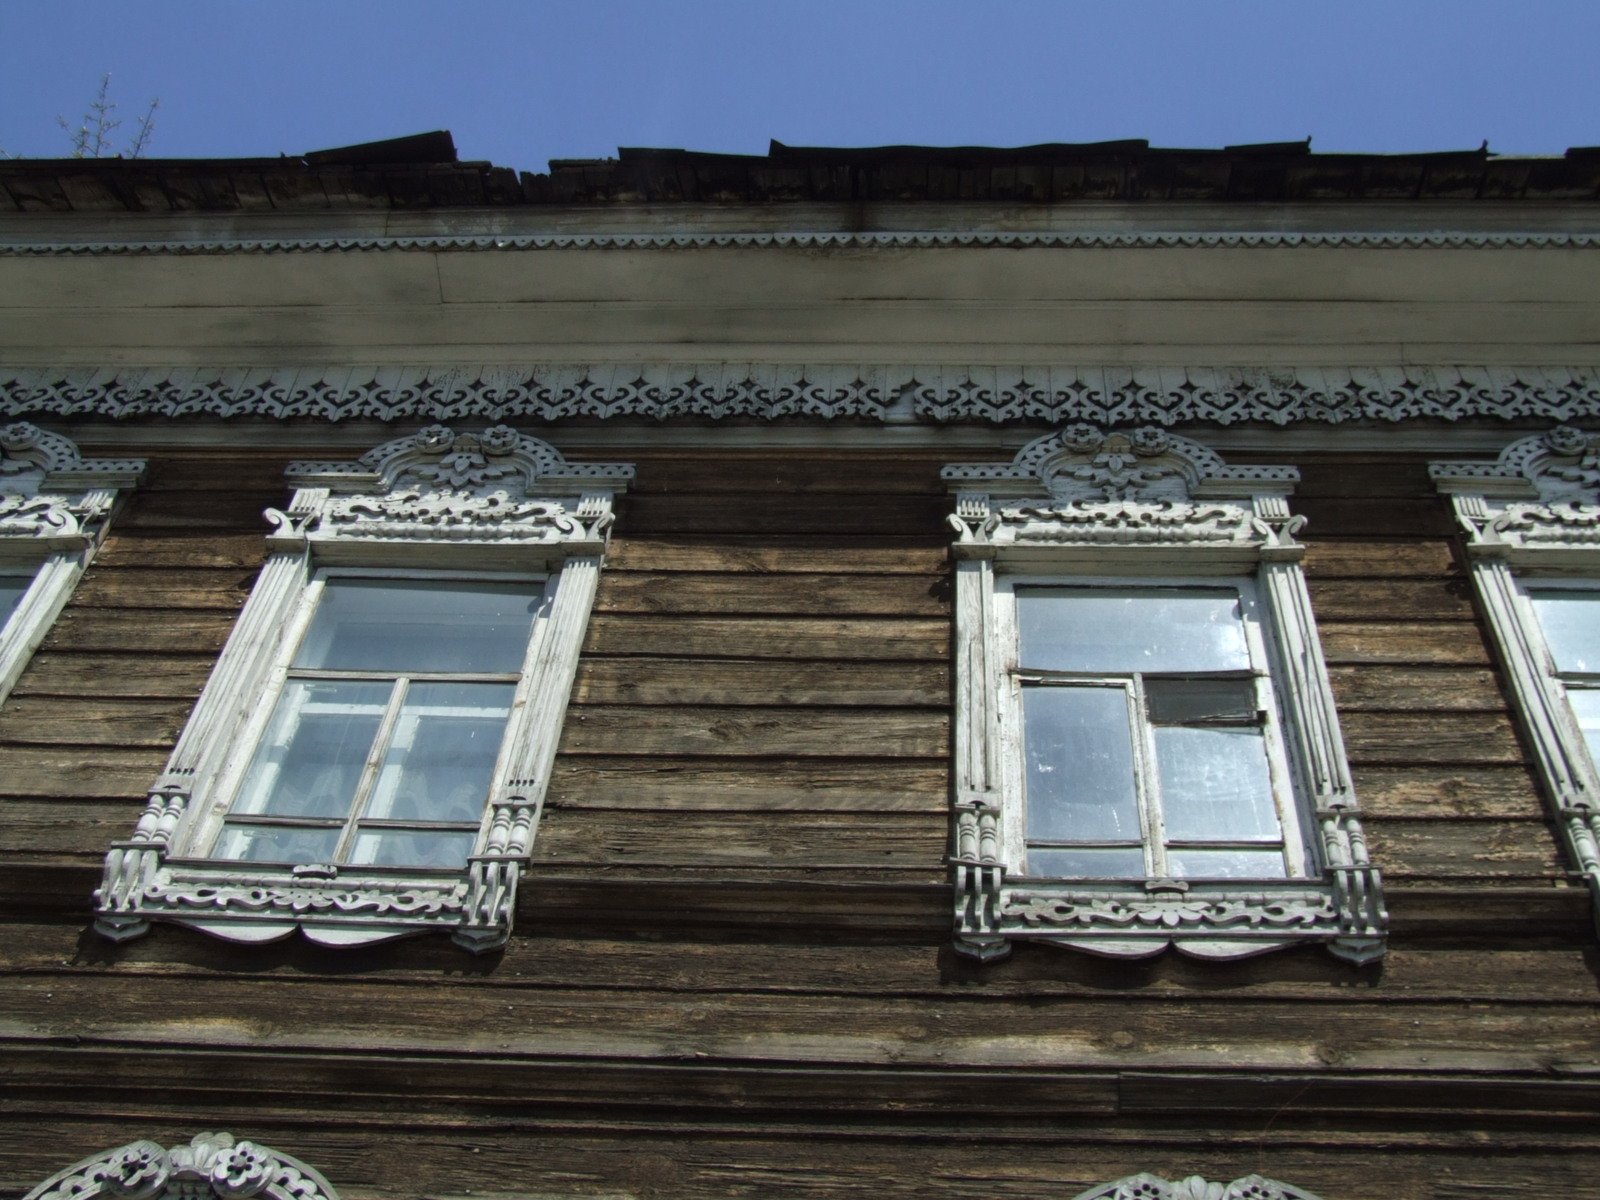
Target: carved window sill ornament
(1531, 524)
(55, 507)
(371, 752)
(212, 1164)
(1147, 753)
(1150, 1187)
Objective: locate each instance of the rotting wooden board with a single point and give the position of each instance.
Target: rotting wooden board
(1362, 515)
(865, 638)
(793, 474)
(1436, 599)
(157, 632)
(786, 594)
(165, 677)
(817, 784)
(1487, 850)
(78, 772)
(1383, 687)
(75, 721)
(49, 826)
(1421, 737)
(760, 681)
(1421, 792)
(1411, 642)
(780, 553)
(756, 732)
(173, 549)
(762, 512)
(175, 588)
(1375, 558)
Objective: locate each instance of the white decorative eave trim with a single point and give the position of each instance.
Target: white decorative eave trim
(211, 1165)
(1182, 240)
(888, 393)
(1152, 1187)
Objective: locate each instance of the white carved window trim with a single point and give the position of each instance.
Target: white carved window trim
(1195, 1187)
(1082, 504)
(1532, 517)
(55, 508)
(494, 503)
(212, 1164)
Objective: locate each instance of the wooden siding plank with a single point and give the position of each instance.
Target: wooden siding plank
(1377, 558)
(1436, 689)
(1422, 737)
(755, 732)
(814, 553)
(884, 638)
(765, 512)
(224, 589)
(139, 632)
(759, 681)
(1391, 600)
(78, 771)
(75, 721)
(164, 677)
(1432, 791)
(741, 785)
(1404, 642)
(787, 594)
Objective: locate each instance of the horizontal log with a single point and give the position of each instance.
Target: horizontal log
(173, 548)
(785, 594)
(1345, 477)
(171, 632)
(1423, 737)
(89, 772)
(259, 475)
(744, 786)
(884, 638)
(759, 681)
(752, 732)
(1420, 792)
(813, 553)
(1409, 642)
(1437, 599)
(1375, 558)
(1357, 516)
(178, 588)
(860, 512)
(1488, 851)
(792, 840)
(1382, 686)
(788, 474)
(161, 677)
(66, 827)
(75, 721)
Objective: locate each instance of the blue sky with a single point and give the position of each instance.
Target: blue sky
(522, 81)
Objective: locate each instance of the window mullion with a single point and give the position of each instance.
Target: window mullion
(369, 770)
(1146, 789)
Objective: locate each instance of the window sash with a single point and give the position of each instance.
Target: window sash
(1157, 846)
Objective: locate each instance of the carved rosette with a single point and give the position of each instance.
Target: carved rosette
(1053, 395)
(212, 1164)
(1096, 501)
(440, 497)
(1151, 1187)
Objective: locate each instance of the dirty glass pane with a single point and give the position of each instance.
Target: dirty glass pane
(277, 844)
(1571, 624)
(1131, 629)
(11, 589)
(442, 752)
(1586, 707)
(1225, 864)
(1201, 701)
(444, 848)
(432, 625)
(1080, 765)
(1215, 785)
(1086, 863)
(310, 761)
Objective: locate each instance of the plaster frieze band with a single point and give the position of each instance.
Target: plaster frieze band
(1433, 240)
(1102, 395)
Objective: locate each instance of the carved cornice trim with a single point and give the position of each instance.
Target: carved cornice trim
(1436, 240)
(1055, 395)
(212, 1164)
(1151, 1187)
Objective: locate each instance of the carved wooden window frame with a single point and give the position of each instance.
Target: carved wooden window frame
(1531, 517)
(1195, 1187)
(55, 509)
(1086, 503)
(437, 503)
(211, 1165)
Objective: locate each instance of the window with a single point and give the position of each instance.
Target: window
(1147, 753)
(55, 507)
(369, 757)
(1531, 521)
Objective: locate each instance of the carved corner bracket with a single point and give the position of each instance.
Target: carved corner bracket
(212, 1164)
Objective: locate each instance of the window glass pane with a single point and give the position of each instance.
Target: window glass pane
(442, 752)
(310, 761)
(1080, 765)
(1226, 864)
(1571, 623)
(1131, 629)
(1079, 863)
(276, 843)
(433, 625)
(444, 848)
(11, 589)
(1215, 785)
(1586, 707)
(1201, 701)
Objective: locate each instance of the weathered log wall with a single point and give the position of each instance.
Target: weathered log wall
(731, 972)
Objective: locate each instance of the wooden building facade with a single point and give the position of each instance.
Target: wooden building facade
(731, 969)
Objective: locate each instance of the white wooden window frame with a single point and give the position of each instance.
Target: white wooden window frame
(1013, 678)
(1530, 520)
(439, 504)
(55, 509)
(1149, 507)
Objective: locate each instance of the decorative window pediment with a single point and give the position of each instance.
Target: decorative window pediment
(1150, 1187)
(55, 506)
(371, 752)
(212, 1164)
(1147, 752)
(1531, 524)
